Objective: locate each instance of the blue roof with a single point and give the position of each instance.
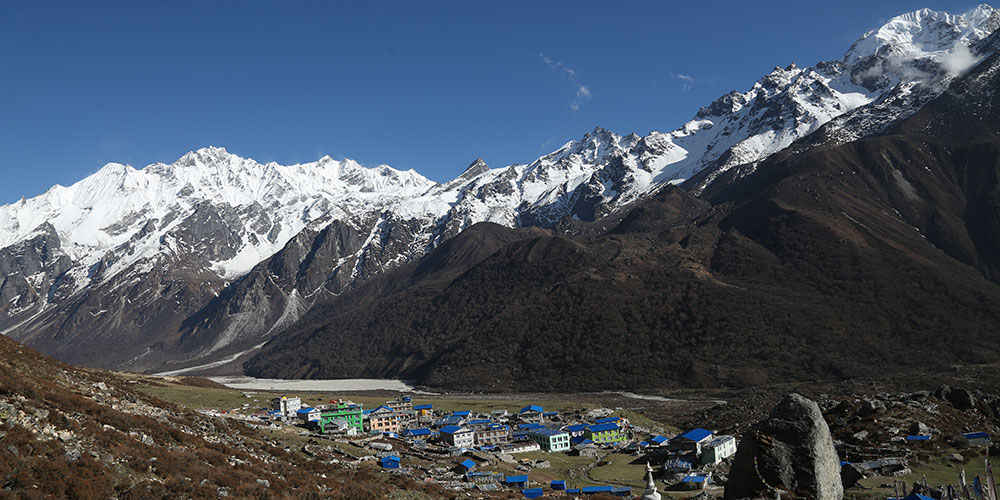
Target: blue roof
(658, 439)
(694, 479)
(597, 489)
(305, 410)
(450, 429)
(581, 440)
(406, 398)
(461, 413)
(532, 492)
(477, 422)
(918, 438)
(550, 413)
(558, 484)
(576, 427)
(423, 431)
(695, 434)
(423, 407)
(603, 427)
(548, 432)
(644, 443)
(916, 496)
(468, 464)
(573, 490)
(528, 427)
(606, 420)
(534, 408)
(976, 435)
(516, 479)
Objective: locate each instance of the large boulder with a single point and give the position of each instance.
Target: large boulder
(791, 452)
(961, 399)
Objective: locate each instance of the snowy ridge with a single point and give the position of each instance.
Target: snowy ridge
(198, 226)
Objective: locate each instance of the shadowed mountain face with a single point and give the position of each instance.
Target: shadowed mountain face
(872, 256)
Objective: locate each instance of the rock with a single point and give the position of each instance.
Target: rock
(850, 474)
(870, 407)
(956, 457)
(919, 429)
(147, 440)
(961, 399)
(264, 482)
(792, 451)
(860, 436)
(942, 390)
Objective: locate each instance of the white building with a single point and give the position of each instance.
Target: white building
(286, 406)
(718, 449)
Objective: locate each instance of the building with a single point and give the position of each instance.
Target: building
(609, 433)
(308, 414)
(658, 440)
(458, 437)
(403, 403)
(493, 434)
(421, 432)
(450, 420)
(342, 410)
(383, 419)
(497, 414)
(977, 438)
(484, 477)
(478, 423)
(550, 440)
(286, 406)
(718, 449)
(690, 441)
(424, 410)
(521, 447)
(390, 462)
(516, 481)
(531, 414)
(694, 482)
(576, 429)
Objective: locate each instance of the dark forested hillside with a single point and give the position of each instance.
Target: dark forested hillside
(826, 262)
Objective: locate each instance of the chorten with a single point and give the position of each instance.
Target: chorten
(650, 492)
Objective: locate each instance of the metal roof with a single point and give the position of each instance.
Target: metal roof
(516, 479)
(451, 429)
(423, 407)
(532, 492)
(918, 438)
(534, 408)
(658, 439)
(976, 435)
(603, 427)
(576, 427)
(467, 463)
(597, 489)
(305, 410)
(529, 427)
(694, 479)
(461, 413)
(548, 432)
(423, 431)
(606, 420)
(695, 435)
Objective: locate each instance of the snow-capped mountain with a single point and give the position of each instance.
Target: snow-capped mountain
(213, 254)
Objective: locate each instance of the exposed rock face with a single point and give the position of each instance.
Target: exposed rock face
(961, 399)
(791, 451)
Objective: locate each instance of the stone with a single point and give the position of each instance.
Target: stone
(860, 436)
(919, 429)
(850, 474)
(791, 451)
(956, 457)
(870, 407)
(264, 482)
(961, 399)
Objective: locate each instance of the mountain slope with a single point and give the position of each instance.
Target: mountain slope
(871, 256)
(206, 258)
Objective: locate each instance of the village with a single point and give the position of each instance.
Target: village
(889, 445)
(484, 451)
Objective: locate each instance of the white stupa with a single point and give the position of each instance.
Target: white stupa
(650, 492)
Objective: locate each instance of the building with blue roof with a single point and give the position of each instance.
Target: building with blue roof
(458, 436)
(690, 441)
(529, 427)
(531, 413)
(493, 434)
(558, 485)
(919, 437)
(422, 431)
(657, 440)
(390, 462)
(576, 429)
(532, 492)
(520, 481)
(609, 433)
(462, 413)
(607, 420)
(467, 464)
(450, 420)
(695, 482)
(550, 440)
(593, 490)
(977, 438)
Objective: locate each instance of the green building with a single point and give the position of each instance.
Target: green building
(609, 433)
(350, 413)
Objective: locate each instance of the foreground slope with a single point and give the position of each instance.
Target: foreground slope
(71, 433)
(872, 256)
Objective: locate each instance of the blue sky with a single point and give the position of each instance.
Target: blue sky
(423, 85)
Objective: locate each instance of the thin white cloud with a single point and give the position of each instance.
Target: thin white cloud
(582, 91)
(690, 81)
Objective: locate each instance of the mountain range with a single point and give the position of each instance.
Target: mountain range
(851, 200)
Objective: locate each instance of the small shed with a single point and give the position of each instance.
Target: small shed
(977, 438)
(694, 482)
(391, 462)
(516, 481)
(532, 492)
(467, 464)
(558, 485)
